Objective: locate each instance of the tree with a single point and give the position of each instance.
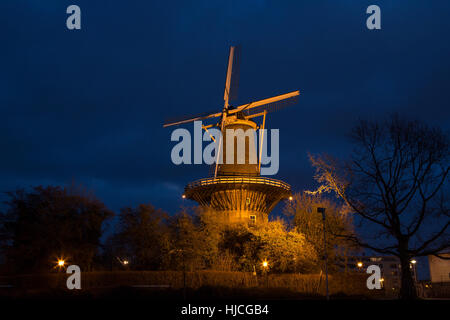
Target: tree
(397, 183)
(187, 243)
(204, 240)
(48, 223)
(242, 245)
(211, 231)
(195, 241)
(307, 221)
(142, 236)
(286, 250)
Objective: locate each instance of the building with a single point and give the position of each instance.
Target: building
(390, 269)
(238, 191)
(439, 268)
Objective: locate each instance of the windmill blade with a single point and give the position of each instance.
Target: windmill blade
(235, 73)
(186, 119)
(269, 105)
(231, 81)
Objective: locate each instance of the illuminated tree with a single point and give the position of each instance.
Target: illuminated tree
(287, 250)
(307, 221)
(242, 245)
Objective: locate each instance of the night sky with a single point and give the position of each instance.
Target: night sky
(88, 105)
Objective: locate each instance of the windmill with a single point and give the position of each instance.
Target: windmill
(237, 189)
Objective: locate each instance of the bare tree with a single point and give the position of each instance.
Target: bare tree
(397, 183)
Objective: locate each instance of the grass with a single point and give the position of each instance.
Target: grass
(202, 284)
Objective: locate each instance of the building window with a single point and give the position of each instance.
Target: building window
(252, 219)
(375, 259)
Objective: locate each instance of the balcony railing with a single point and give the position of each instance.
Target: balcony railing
(238, 179)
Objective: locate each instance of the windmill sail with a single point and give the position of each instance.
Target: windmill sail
(234, 82)
(232, 79)
(269, 104)
(186, 119)
(250, 110)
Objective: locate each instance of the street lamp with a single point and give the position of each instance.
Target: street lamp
(322, 211)
(123, 262)
(265, 265)
(359, 264)
(413, 262)
(60, 264)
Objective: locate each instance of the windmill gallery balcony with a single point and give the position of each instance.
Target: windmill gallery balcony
(239, 198)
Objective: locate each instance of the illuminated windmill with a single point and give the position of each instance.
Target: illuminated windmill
(237, 191)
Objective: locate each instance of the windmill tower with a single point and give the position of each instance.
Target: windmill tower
(236, 191)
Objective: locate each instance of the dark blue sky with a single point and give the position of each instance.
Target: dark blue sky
(89, 105)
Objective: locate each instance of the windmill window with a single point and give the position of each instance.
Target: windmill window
(253, 219)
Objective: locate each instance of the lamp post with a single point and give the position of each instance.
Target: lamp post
(265, 265)
(60, 264)
(413, 262)
(325, 256)
(359, 265)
